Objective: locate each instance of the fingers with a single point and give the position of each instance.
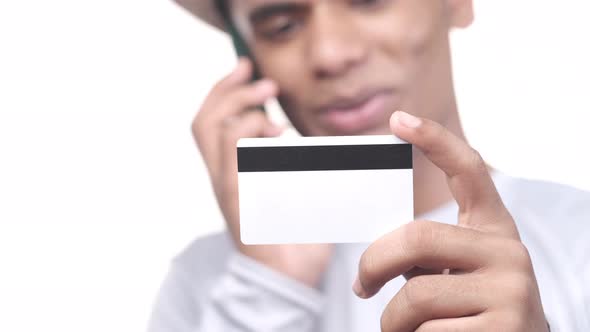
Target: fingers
(245, 97)
(418, 271)
(252, 123)
(427, 245)
(230, 97)
(461, 324)
(490, 273)
(479, 203)
(227, 114)
(234, 93)
(239, 75)
(490, 320)
(217, 109)
(428, 298)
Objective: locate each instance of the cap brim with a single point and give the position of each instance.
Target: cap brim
(204, 10)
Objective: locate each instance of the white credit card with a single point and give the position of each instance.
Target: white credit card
(323, 189)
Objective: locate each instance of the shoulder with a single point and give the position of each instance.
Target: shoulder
(205, 256)
(191, 275)
(562, 211)
(544, 195)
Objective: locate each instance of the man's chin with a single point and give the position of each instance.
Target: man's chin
(381, 130)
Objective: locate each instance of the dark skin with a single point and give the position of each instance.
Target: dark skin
(322, 56)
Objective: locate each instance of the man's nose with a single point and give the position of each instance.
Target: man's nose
(334, 46)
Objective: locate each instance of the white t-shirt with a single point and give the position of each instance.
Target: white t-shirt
(212, 287)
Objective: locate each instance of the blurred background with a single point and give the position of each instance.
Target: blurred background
(100, 181)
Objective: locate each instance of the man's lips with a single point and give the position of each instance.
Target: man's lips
(355, 115)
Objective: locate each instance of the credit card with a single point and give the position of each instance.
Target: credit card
(333, 189)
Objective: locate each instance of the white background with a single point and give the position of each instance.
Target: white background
(100, 182)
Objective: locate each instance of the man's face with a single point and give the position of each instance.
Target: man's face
(344, 66)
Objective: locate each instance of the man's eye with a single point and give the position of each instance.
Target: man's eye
(279, 27)
(367, 3)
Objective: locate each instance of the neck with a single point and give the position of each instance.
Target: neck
(430, 183)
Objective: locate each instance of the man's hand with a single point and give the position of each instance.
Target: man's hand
(228, 114)
(487, 281)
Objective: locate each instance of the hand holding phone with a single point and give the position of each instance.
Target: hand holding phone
(240, 45)
(225, 117)
(222, 120)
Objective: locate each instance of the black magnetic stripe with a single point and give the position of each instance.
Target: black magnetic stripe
(324, 158)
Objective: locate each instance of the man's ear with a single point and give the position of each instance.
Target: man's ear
(461, 13)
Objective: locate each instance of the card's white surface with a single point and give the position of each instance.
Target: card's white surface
(325, 206)
(319, 140)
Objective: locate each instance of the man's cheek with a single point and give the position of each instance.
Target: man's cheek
(410, 35)
(291, 109)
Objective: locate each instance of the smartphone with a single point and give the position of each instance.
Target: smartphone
(242, 49)
(240, 45)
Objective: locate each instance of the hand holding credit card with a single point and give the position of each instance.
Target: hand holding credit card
(323, 189)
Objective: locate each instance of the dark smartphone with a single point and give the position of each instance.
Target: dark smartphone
(240, 45)
(242, 50)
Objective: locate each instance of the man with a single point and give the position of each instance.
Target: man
(487, 252)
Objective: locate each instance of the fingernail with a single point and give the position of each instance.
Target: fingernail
(358, 289)
(407, 120)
